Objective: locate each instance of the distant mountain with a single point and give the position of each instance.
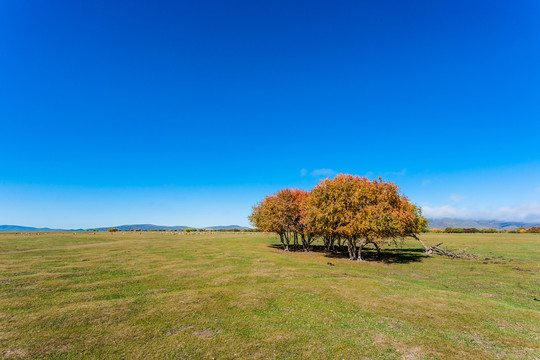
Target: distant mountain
(162, 227)
(144, 227)
(29, 228)
(229, 227)
(479, 224)
(441, 223)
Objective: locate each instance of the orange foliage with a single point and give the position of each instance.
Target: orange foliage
(346, 208)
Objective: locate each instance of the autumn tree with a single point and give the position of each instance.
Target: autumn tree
(282, 213)
(347, 209)
(301, 227)
(387, 216)
(328, 210)
(360, 212)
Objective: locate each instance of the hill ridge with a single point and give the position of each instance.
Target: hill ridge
(147, 227)
(441, 223)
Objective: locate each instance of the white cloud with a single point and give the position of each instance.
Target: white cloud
(537, 189)
(529, 212)
(402, 172)
(456, 198)
(446, 211)
(323, 173)
(426, 182)
(303, 172)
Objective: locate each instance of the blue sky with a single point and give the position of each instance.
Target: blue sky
(187, 113)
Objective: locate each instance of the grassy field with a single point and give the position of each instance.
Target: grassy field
(228, 296)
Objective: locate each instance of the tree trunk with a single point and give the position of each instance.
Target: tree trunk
(353, 249)
(429, 250)
(327, 242)
(378, 249)
(305, 243)
(360, 247)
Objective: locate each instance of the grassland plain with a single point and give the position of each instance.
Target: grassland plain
(229, 295)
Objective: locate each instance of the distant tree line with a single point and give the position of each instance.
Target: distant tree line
(347, 210)
(534, 229)
(189, 230)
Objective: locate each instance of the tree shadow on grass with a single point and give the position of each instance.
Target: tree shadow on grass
(388, 256)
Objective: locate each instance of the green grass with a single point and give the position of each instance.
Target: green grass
(229, 295)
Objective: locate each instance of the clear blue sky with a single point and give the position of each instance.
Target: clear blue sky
(187, 113)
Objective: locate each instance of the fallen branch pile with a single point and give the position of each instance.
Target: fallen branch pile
(437, 250)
